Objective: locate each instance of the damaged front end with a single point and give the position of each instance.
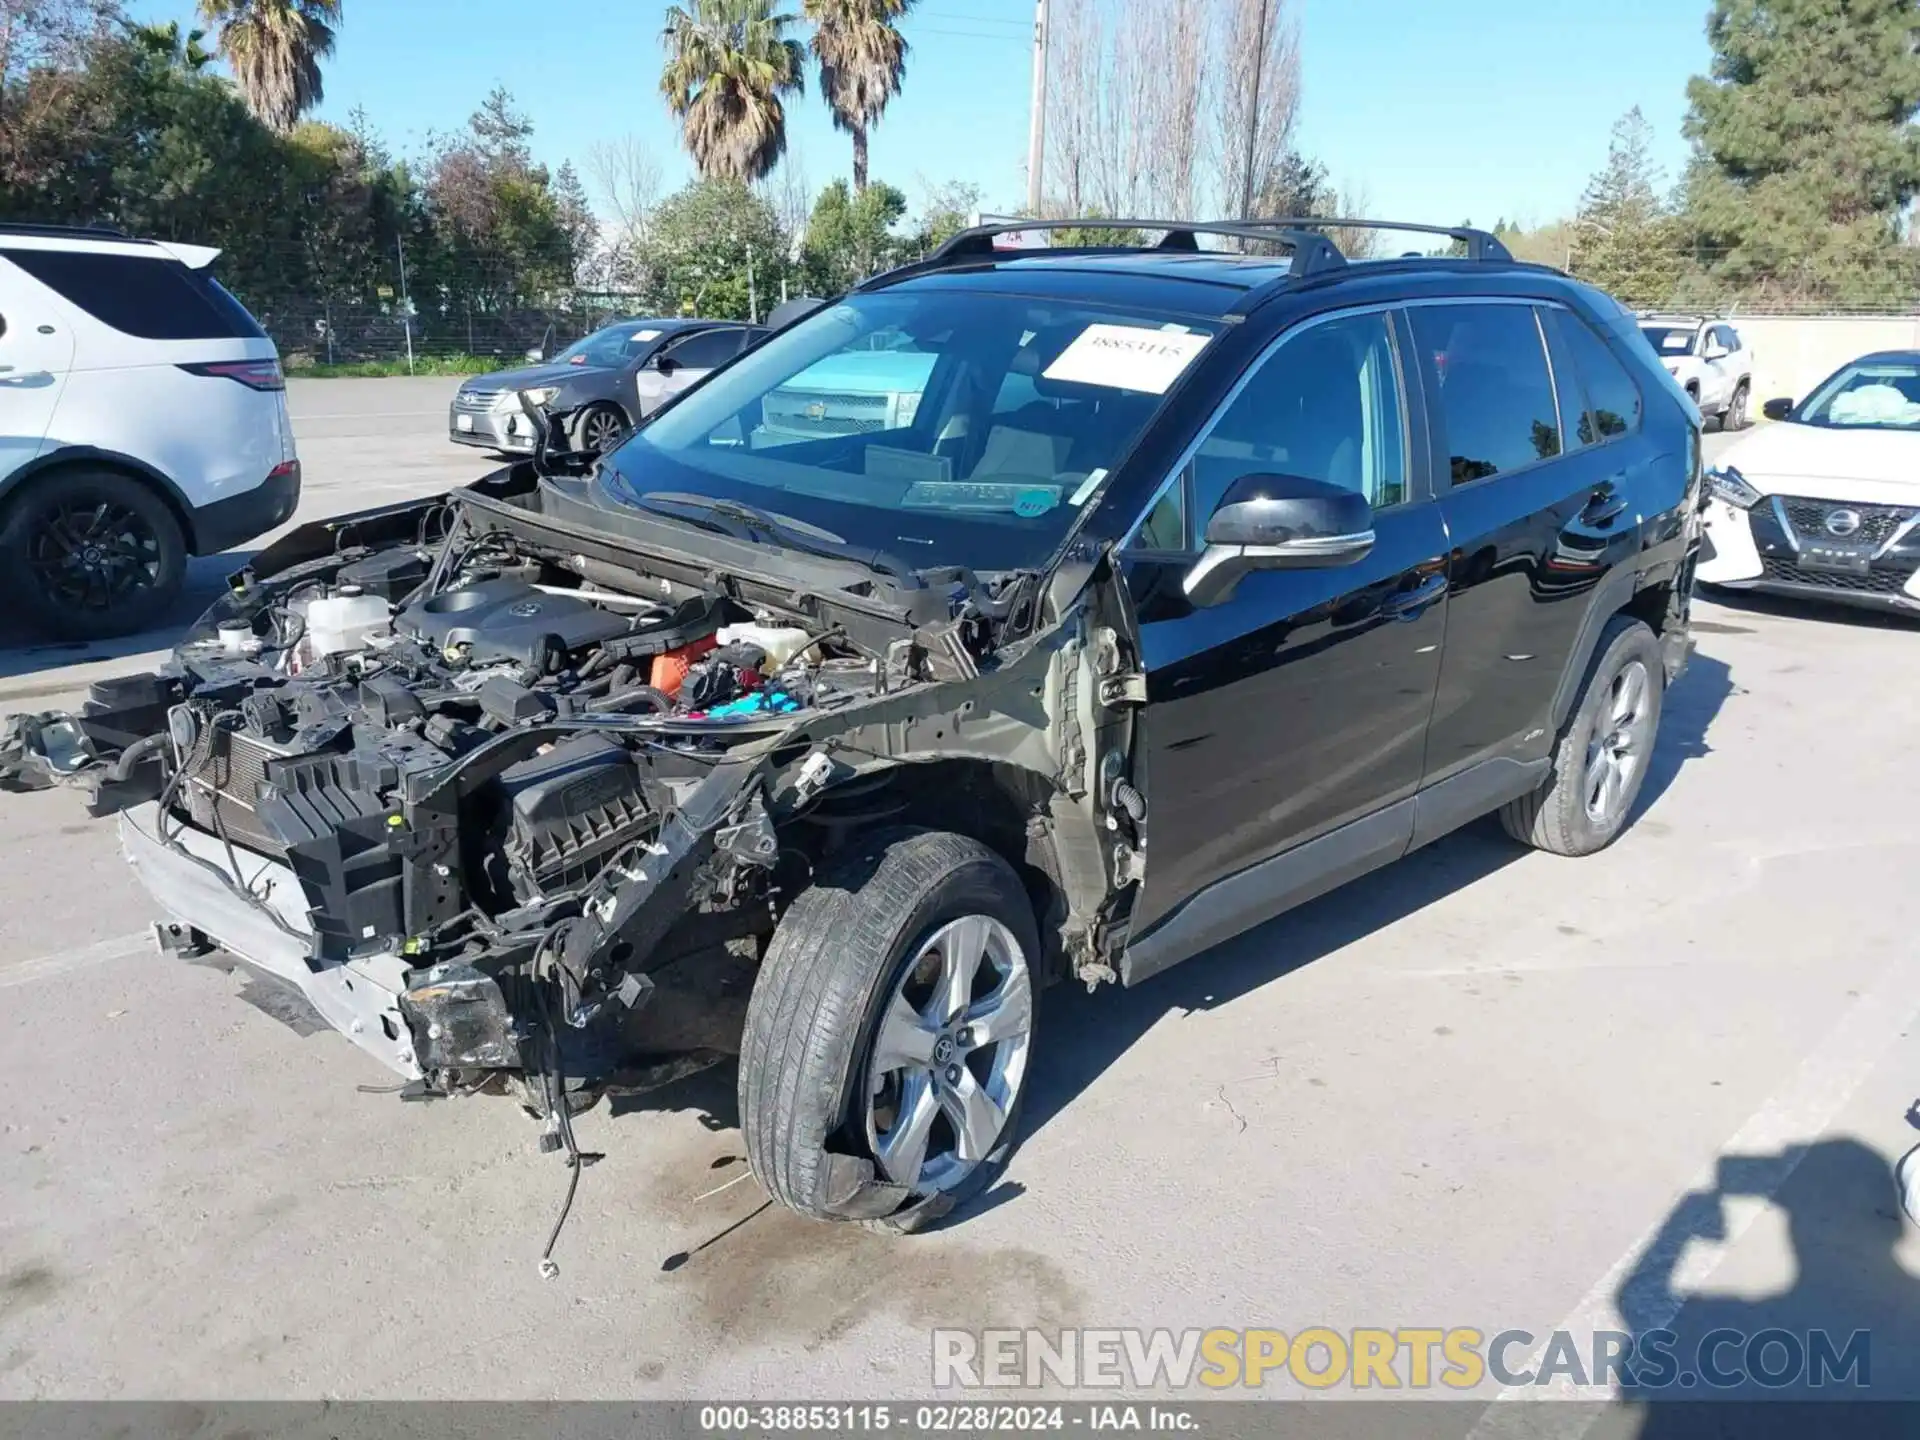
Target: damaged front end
(515, 799)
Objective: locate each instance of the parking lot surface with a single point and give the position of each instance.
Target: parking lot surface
(1659, 1087)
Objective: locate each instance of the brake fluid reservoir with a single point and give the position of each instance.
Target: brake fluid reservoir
(780, 642)
(345, 621)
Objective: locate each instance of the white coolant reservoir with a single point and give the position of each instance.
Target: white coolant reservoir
(780, 642)
(345, 621)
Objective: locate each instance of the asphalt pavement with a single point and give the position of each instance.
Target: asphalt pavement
(1658, 1087)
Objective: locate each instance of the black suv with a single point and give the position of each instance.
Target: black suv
(1162, 589)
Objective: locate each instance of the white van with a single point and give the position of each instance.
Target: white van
(143, 419)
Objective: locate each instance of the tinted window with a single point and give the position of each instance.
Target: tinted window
(1488, 371)
(706, 349)
(1726, 337)
(1325, 405)
(149, 297)
(1613, 400)
(903, 380)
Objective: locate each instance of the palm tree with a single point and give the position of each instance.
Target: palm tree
(862, 58)
(728, 64)
(167, 43)
(275, 48)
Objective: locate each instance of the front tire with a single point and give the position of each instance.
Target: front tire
(889, 1033)
(91, 554)
(1601, 760)
(1736, 416)
(599, 428)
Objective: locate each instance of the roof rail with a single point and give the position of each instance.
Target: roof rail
(70, 232)
(1313, 252)
(1481, 244)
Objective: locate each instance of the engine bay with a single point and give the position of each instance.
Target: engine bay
(517, 803)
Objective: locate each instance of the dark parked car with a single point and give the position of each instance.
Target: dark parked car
(1193, 585)
(607, 382)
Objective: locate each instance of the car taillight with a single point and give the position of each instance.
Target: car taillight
(254, 374)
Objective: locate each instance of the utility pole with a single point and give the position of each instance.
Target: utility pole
(1253, 113)
(1037, 120)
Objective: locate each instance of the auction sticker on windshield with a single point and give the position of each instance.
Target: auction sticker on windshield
(1126, 357)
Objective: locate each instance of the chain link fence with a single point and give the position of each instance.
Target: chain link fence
(381, 311)
(1698, 281)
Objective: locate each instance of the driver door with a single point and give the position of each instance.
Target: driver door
(685, 361)
(1286, 726)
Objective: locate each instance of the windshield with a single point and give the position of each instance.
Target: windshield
(1670, 340)
(1867, 395)
(948, 427)
(614, 346)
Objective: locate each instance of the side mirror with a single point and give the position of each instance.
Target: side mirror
(1278, 522)
(536, 355)
(665, 364)
(1716, 351)
(1777, 409)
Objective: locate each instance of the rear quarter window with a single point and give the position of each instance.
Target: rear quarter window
(150, 297)
(1613, 399)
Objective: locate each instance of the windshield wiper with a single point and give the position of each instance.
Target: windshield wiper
(754, 524)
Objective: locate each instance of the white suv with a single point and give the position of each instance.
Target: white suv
(1709, 359)
(143, 419)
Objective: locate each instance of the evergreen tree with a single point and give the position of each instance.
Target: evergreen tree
(1805, 155)
(1628, 243)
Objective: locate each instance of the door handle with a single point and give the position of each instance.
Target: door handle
(1606, 504)
(1407, 604)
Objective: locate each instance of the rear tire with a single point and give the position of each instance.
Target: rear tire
(91, 554)
(1601, 759)
(831, 1105)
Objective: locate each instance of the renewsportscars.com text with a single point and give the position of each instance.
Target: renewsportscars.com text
(1403, 1358)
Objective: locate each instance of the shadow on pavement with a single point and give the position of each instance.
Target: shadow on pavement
(1087, 1033)
(23, 654)
(1845, 1328)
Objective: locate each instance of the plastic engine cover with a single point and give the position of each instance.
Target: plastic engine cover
(508, 620)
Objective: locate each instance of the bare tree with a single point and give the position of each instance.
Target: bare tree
(1256, 96)
(626, 181)
(1171, 115)
(1354, 202)
(790, 193)
(1076, 75)
(48, 32)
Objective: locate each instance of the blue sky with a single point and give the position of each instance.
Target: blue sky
(1473, 108)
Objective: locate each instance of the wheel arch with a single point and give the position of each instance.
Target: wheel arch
(1003, 806)
(1623, 592)
(604, 402)
(89, 457)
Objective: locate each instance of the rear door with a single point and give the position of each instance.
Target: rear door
(1298, 707)
(1538, 512)
(36, 352)
(168, 368)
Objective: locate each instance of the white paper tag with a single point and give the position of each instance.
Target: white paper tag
(1126, 357)
(1087, 487)
(646, 334)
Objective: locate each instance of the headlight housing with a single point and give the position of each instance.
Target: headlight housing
(1728, 484)
(540, 394)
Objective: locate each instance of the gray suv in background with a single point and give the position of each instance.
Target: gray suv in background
(608, 382)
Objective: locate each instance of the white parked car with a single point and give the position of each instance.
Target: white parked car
(143, 419)
(1709, 359)
(1827, 502)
